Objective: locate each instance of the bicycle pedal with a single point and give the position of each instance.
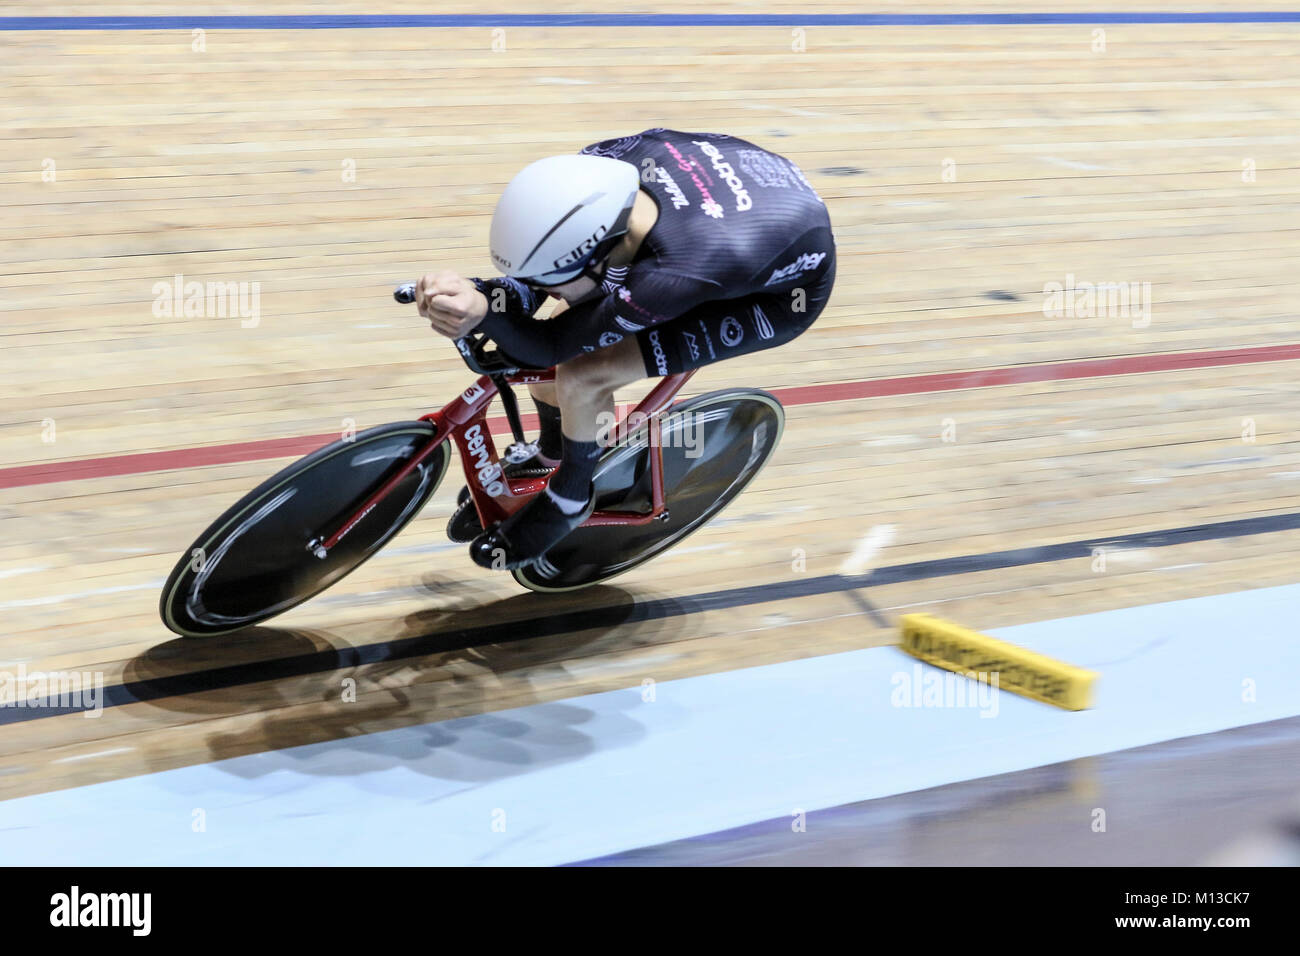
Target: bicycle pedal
(519, 452)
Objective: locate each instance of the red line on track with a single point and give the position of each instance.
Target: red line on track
(799, 395)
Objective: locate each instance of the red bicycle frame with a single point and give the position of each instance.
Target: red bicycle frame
(496, 496)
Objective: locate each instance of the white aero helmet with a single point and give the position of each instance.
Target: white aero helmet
(560, 214)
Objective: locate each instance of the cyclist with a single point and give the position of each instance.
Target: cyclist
(668, 251)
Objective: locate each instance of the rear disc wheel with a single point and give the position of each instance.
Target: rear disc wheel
(713, 446)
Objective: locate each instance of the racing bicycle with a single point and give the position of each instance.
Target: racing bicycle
(668, 469)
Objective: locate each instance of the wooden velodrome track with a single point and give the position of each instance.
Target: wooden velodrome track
(966, 168)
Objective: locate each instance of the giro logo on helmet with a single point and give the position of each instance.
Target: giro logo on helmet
(582, 249)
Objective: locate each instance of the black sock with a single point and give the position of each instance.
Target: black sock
(551, 441)
(572, 479)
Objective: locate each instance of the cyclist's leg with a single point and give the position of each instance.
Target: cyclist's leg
(549, 441)
(585, 387)
(546, 400)
(709, 333)
(585, 390)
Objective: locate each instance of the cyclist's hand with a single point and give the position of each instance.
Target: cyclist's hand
(451, 303)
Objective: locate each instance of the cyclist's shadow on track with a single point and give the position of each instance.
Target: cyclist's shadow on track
(457, 660)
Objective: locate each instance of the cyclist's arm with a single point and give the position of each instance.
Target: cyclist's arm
(509, 296)
(599, 323)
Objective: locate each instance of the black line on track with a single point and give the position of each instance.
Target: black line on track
(318, 662)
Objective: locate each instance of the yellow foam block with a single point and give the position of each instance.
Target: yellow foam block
(1019, 670)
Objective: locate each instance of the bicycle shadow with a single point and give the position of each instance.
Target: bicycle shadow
(211, 676)
(438, 685)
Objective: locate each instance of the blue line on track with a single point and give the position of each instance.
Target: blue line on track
(391, 21)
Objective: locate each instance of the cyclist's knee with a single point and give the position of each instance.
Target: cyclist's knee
(595, 373)
(544, 392)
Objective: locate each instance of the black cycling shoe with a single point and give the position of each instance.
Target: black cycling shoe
(463, 526)
(527, 534)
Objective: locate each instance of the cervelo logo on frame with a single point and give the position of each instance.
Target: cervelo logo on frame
(489, 472)
(473, 392)
(743, 202)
